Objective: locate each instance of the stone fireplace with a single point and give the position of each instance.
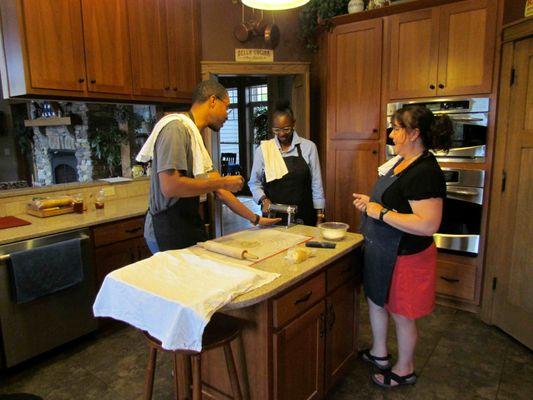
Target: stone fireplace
(62, 153)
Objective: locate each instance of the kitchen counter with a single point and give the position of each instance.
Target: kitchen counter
(114, 210)
(291, 274)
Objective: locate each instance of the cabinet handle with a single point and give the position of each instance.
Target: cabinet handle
(167, 87)
(81, 80)
(175, 89)
(322, 324)
(451, 280)
(374, 152)
(304, 298)
(441, 86)
(93, 80)
(432, 87)
(133, 230)
(375, 130)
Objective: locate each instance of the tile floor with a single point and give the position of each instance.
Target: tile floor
(458, 357)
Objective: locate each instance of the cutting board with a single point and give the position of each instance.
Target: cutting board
(10, 222)
(50, 212)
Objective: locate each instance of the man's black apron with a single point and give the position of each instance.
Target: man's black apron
(295, 189)
(380, 247)
(180, 225)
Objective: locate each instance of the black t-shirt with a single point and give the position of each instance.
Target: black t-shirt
(423, 179)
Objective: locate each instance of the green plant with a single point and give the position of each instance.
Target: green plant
(105, 136)
(260, 124)
(316, 15)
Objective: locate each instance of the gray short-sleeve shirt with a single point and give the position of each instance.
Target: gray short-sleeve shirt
(172, 151)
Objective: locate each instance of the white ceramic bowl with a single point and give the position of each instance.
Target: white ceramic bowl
(333, 230)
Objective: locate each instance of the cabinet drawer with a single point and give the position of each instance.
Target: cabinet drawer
(117, 231)
(298, 300)
(340, 272)
(458, 280)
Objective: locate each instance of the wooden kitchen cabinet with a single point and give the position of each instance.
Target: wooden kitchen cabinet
(299, 357)
(45, 52)
(107, 47)
(183, 34)
(164, 32)
(137, 50)
(118, 244)
(442, 51)
(352, 168)
(354, 81)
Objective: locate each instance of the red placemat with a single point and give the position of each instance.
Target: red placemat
(10, 222)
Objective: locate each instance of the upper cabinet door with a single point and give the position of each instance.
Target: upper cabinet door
(467, 42)
(107, 47)
(413, 54)
(54, 43)
(149, 53)
(183, 46)
(355, 81)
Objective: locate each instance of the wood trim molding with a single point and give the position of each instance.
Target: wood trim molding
(518, 30)
(389, 10)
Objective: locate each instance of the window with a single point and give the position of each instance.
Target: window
(229, 134)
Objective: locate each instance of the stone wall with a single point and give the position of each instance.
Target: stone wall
(73, 137)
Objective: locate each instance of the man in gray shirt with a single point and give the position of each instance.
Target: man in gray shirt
(173, 220)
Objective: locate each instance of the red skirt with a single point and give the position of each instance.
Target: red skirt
(412, 290)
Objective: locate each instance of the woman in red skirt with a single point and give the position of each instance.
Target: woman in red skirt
(401, 216)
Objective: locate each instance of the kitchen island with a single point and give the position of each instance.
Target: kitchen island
(300, 331)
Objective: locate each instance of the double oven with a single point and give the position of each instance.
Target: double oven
(460, 229)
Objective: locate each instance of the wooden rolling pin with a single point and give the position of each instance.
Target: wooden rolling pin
(227, 250)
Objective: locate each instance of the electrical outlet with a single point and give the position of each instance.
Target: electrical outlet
(7, 152)
(109, 190)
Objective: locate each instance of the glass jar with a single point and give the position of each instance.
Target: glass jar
(99, 199)
(77, 203)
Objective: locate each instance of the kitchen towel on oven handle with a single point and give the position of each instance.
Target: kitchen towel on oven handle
(45, 270)
(173, 294)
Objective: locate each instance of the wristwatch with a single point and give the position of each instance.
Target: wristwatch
(382, 213)
(320, 214)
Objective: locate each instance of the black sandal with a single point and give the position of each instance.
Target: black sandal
(369, 358)
(389, 376)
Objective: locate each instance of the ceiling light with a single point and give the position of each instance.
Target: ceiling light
(274, 4)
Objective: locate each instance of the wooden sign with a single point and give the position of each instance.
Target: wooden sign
(529, 8)
(254, 55)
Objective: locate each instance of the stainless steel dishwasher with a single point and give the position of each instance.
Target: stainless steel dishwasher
(32, 328)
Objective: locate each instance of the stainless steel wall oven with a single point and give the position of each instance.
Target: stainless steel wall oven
(461, 219)
(470, 121)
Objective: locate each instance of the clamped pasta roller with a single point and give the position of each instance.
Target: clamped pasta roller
(290, 210)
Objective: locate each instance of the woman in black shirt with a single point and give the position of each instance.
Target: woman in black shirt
(401, 216)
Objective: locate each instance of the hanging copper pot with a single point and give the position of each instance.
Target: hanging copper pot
(272, 35)
(244, 30)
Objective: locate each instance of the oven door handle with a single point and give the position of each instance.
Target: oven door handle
(466, 119)
(464, 192)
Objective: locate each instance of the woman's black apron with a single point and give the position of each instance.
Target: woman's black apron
(180, 225)
(295, 189)
(380, 247)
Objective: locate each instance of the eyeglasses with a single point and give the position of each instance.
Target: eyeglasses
(287, 129)
(229, 111)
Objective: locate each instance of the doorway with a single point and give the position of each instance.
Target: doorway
(254, 89)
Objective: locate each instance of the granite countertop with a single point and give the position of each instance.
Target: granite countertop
(291, 274)
(114, 210)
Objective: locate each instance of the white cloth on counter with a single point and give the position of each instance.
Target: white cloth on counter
(275, 167)
(202, 162)
(386, 167)
(173, 294)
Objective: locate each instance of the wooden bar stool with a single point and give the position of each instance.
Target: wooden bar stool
(219, 332)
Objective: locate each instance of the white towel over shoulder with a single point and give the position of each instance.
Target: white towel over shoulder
(384, 168)
(275, 167)
(202, 162)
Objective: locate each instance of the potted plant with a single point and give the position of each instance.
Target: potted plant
(315, 16)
